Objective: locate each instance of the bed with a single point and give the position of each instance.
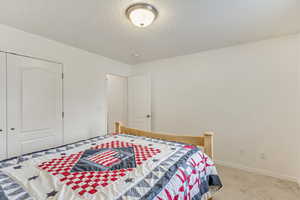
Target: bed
(130, 164)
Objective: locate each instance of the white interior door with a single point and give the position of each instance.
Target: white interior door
(139, 102)
(2, 106)
(34, 105)
(116, 101)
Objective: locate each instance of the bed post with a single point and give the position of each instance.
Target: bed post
(118, 127)
(208, 144)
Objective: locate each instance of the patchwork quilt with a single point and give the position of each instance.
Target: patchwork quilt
(117, 167)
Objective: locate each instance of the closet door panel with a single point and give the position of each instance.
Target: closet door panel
(34, 108)
(2, 146)
(2, 106)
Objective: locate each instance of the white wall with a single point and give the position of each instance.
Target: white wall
(299, 111)
(247, 94)
(84, 84)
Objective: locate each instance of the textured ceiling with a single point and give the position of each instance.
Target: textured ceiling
(183, 26)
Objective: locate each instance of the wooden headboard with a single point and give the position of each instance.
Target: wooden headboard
(205, 140)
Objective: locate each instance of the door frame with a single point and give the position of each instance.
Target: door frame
(106, 98)
(62, 90)
(3, 103)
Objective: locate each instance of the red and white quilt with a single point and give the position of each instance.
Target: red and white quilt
(116, 167)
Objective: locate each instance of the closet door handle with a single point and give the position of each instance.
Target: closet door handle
(1, 130)
(12, 129)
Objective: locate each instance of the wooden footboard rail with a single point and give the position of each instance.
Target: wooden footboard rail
(205, 141)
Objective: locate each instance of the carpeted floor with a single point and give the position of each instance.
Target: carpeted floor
(241, 185)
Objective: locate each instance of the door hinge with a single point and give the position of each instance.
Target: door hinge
(63, 114)
(62, 75)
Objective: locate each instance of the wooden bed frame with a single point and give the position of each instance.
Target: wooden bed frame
(205, 141)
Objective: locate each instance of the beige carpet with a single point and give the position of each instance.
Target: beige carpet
(241, 185)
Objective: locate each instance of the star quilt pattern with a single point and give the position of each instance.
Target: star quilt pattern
(121, 167)
(99, 166)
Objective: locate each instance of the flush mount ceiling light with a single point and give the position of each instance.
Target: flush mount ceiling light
(141, 14)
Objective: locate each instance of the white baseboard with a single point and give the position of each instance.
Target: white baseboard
(257, 171)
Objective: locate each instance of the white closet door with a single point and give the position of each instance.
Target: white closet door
(2, 106)
(34, 105)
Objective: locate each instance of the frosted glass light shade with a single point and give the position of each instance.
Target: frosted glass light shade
(141, 15)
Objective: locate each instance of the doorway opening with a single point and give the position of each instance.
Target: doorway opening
(117, 105)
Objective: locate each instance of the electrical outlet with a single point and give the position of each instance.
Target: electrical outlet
(263, 156)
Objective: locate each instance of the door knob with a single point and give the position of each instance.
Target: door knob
(12, 129)
(1, 130)
(148, 116)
